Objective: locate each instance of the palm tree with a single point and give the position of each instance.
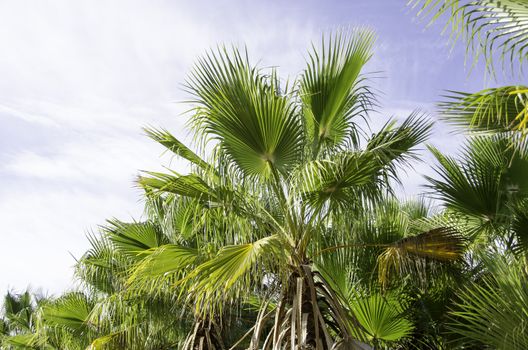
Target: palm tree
(290, 167)
(486, 191)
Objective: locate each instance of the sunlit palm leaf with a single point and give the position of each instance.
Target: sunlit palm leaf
(135, 238)
(26, 341)
(159, 265)
(331, 88)
(256, 124)
(500, 109)
(232, 264)
(185, 185)
(70, 311)
(490, 27)
(168, 140)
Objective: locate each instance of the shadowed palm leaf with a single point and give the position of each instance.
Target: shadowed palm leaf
(494, 311)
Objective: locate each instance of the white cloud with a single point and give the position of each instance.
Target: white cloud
(42, 226)
(79, 80)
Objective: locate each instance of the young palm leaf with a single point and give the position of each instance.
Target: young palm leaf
(332, 90)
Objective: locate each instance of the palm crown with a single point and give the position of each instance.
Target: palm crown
(289, 166)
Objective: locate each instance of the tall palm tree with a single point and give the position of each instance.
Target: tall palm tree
(290, 166)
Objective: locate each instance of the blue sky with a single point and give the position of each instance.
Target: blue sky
(80, 78)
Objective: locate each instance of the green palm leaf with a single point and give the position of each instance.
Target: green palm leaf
(135, 238)
(168, 140)
(70, 311)
(346, 175)
(500, 109)
(26, 341)
(191, 185)
(488, 175)
(381, 318)
(255, 123)
(394, 146)
(331, 88)
(489, 27)
(494, 311)
(100, 266)
(163, 264)
(212, 280)
(329, 179)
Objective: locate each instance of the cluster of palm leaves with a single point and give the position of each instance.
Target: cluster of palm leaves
(287, 233)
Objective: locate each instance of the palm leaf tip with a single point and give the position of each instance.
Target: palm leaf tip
(171, 143)
(332, 89)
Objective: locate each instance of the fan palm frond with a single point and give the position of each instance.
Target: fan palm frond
(332, 88)
(134, 238)
(489, 27)
(254, 121)
(500, 109)
(442, 244)
(493, 311)
(381, 318)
